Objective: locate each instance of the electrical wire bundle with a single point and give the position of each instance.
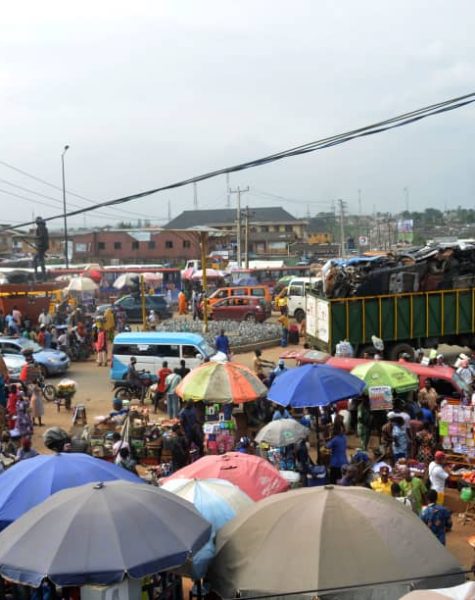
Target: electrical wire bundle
(379, 127)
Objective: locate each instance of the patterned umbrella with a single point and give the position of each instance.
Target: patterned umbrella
(81, 284)
(222, 383)
(282, 432)
(379, 373)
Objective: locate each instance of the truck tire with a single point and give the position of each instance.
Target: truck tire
(398, 349)
(299, 315)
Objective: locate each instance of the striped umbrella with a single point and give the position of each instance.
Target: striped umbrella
(221, 383)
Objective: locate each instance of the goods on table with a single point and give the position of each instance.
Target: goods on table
(220, 436)
(416, 469)
(457, 429)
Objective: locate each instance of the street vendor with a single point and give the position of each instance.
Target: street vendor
(438, 475)
(414, 488)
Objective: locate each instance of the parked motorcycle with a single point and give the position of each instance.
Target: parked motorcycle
(127, 390)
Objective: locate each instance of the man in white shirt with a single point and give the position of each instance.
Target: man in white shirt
(44, 318)
(438, 475)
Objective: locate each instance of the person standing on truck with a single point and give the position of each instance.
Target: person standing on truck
(42, 245)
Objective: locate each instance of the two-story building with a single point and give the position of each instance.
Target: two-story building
(269, 230)
(121, 246)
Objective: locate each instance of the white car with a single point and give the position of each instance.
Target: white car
(14, 364)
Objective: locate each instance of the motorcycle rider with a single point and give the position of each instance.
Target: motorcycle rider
(133, 377)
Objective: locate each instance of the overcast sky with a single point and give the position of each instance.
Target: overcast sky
(147, 93)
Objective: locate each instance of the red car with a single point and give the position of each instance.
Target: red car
(241, 308)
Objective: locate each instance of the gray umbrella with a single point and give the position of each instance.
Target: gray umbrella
(100, 533)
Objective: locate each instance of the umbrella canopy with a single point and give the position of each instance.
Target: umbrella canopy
(81, 284)
(326, 538)
(282, 433)
(210, 273)
(218, 501)
(126, 280)
(253, 475)
(100, 533)
(222, 383)
(314, 385)
(379, 373)
(152, 278)
(93, 273)
(30, 482)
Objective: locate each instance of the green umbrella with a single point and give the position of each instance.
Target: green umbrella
(379, 373)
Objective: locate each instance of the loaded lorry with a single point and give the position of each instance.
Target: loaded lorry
(404, 321)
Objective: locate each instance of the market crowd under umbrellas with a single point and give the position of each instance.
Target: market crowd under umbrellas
(216, 474)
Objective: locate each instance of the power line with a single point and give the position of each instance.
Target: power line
(379, 127)
(70, 193)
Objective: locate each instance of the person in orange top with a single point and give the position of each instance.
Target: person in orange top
(182, 303)
(162, 375)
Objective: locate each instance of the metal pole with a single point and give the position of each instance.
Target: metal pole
(342, 228)
(142, 302)
(66, 258)
(238, 229)
(204, 250)
(246, 239)
(228, 192)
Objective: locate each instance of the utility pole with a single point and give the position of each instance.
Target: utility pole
(342, 227)
(228, 192)
(246, 238)
(406, 197)
(195, 195)
(238, 191)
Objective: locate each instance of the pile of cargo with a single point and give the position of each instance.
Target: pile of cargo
(433, 267)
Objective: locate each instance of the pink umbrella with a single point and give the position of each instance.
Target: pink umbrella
(253, 475)
(152, 278)
(210, 273)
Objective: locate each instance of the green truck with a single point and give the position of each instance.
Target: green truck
(403, 321)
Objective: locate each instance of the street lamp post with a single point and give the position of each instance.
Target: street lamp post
(66, 258)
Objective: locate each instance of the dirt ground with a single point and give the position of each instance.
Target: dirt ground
(95, 392)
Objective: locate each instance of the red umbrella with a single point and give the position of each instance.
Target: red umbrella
(253, 475)
(94, 274)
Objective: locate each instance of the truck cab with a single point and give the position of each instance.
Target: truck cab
(296, 296)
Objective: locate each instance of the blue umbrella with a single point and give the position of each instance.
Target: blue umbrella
(31, 481)
(314, 385)
(99, 533)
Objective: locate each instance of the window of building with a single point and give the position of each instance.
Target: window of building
(101, 245)
(264, 228)
(168, 244)
(186, 244)
(117, 245)
(135, 245)
(151, 245)
(288, 228)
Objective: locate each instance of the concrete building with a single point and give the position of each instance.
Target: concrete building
(120, 246)
(270, 230)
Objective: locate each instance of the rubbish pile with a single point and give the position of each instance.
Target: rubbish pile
(433, 267)
(240, 333)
